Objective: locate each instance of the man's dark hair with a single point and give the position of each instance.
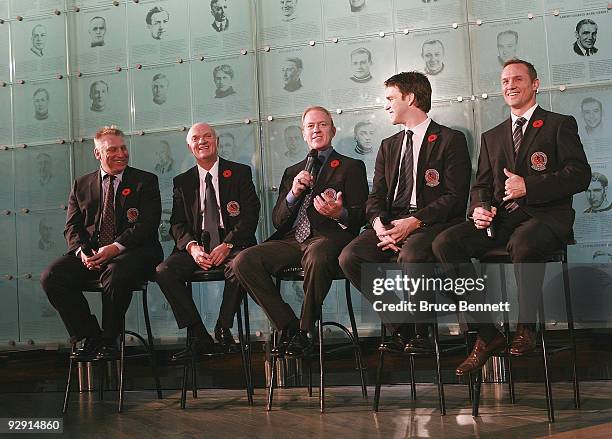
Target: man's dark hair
(533, 74)
(155, 10)
(583, 22)
(415, 83)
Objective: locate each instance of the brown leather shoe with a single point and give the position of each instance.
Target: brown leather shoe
(524, 341)
(480, 354)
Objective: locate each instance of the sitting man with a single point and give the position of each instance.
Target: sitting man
(215, 211)
(421, 185)
(111, 230)
(320, 208)
(529, 167)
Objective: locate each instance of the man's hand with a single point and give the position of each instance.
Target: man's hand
(200, 256)
(483, 218)
(329, 206)
(386, 243)
(300, 182)
(85, 260)
(219, 254)
(401, 229)
(102, 257)
(514, 187)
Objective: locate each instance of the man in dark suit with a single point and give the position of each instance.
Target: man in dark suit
(215, 211)
(316, 215)
(111, 230)
(411, 201)
(529, 167)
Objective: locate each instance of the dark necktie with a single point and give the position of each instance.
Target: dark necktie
(211, 213)
(405, 183)
(517, 139)
(302, 227)
(107, 229)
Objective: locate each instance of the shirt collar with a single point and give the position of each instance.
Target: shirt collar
(324, 155)
(214, 171)
(527, 115)
(420, 129)
(119, 176)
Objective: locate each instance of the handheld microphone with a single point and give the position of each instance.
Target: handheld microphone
(87, 250)
(313, 155)
(205, 240)
(484, 196)
(385, 220)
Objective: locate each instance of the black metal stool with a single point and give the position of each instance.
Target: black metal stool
(501, 256)
(95, 286)
(297, 274)
(437, 351)
(218, 275)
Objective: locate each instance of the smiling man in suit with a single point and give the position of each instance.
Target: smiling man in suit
(529, 168)
(421, 185)
(111, 230)
(215, 211)
(317, 213)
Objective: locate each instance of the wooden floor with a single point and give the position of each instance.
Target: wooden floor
(226, 414)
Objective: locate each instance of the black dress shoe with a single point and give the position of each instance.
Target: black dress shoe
(397, 343)
(90, 348)
(299, 346)
(107, 352)
(195, 349)
(418, 343)
(285, 336)
(226, 340)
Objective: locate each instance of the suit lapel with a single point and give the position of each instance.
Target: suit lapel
(393, 164)
(506, 141)
(425, 151)
(224, 189)
(95, 189)
(530, 135)
(191, 195)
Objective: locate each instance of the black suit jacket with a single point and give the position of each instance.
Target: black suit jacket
(579, 51)
(341, 173)
(439, 200)
(550, 185)
(137, 193)
(235, 186)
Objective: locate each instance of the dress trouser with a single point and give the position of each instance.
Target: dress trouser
(529, 243)
(317, 255)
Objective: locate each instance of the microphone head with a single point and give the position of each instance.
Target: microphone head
(313, 155)
(484, 195)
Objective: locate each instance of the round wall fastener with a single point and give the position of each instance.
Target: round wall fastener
(335, 40)
(381, 34)
(19, 18)
(61, 141)
(23, 145)
(6, 212)
(28, 276)
(556, 12)
(530, 16)
(79, 74)
(9, 277)
(562, 88)
(406, 31)
(312, 43)
(247, 121)
(141, 133)
(59, 76)
(266, 48)
(484, 95)
(179, 60)
(479, 22)
(118, 68)
(2, 84)
(459, 98)
(25, 210)
(20, 81)
(455, 25)
(138, 66)
(243, 51)
(77, 9)
(339, 110)
(56, 12)
(270, 118)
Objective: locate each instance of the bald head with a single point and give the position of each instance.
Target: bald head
(198, 126)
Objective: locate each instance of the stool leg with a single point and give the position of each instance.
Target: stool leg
(194, 379)
(504, 298)
(247, 333)
(70, 366)
(438, 370)
(547, 383)
(310, 377)
(570, 329)
(321, 363)
(476, 398)
(245, 369)
(412, 379)
(272, 382)
(358, 357)
(121, 365)
(379, 371)
(151, 345)
(184, 386)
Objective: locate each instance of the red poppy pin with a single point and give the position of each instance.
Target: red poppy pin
(538, 123)
(127, 191)
(432, 138)
(334, 163)
(227, 173)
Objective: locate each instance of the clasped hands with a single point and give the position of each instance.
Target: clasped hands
(208, 260)
(99, 257)
(326, 204)
(398, 230)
